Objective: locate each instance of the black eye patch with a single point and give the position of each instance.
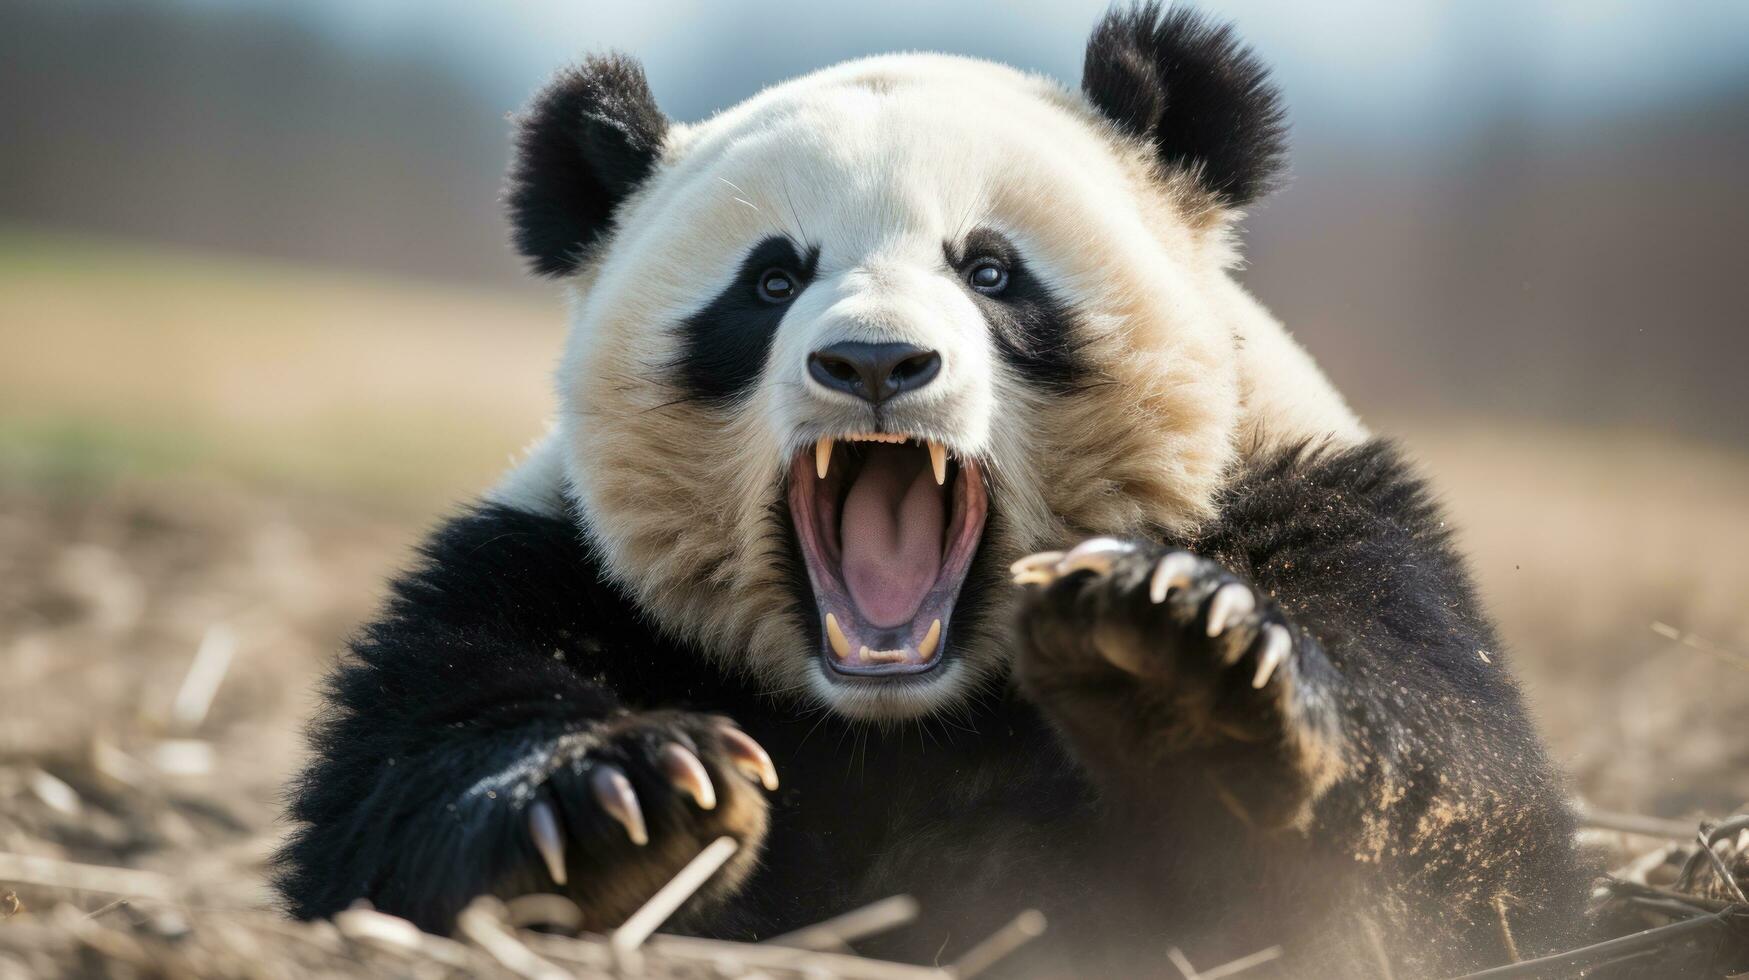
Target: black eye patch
(1032, 328)
(723, 346)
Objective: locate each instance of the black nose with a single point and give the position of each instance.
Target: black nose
(873, 372)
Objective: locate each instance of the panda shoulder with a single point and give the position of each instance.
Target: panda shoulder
(535, 483)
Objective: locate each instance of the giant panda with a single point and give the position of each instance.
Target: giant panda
(931, 511)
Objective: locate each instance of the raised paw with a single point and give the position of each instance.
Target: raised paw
(1194, 638)
(623, 806)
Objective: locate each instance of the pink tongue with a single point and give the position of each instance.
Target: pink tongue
(891, 533)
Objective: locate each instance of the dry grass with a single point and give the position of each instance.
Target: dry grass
(1583, 541)
(117, 360)
(254, 449)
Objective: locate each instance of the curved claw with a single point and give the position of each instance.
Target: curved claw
(614, 792)
(749, 756)
(1173, 572)
(1094, 555)
(1036, 569)
(1231, 602)
(543, 829)
(685, 771)
(1277, 643)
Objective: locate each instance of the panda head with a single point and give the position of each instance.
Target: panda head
(841, 353)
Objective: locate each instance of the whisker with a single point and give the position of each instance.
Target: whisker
(743, 198)
(796, 217)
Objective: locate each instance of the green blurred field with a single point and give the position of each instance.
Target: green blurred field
(191, 443)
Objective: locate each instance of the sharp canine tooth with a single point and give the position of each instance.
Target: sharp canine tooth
(835, 636)
(822, 455)
(938, 459)
(926, 649)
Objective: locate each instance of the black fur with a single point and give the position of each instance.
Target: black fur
(1033, 329)
(724, 345)
(588, 140)
(1188, 86)
(1169, 805)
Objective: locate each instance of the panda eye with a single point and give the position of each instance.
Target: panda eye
(988, 276)
(776, 286)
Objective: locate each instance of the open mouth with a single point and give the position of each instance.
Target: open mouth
(888, 527)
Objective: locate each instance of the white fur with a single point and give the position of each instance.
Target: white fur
(535, 483)
(879, 162)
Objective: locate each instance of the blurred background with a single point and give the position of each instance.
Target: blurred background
(259, 325)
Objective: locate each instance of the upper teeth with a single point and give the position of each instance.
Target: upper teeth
(823, 452)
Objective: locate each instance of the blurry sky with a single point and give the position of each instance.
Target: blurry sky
(1376, 67)
(1531, 208)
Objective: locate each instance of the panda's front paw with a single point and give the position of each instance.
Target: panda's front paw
(1205, 654)
(625, 805)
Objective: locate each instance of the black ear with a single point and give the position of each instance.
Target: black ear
(1186, 85)
(590, 137)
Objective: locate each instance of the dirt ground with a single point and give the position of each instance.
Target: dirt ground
(114, 755)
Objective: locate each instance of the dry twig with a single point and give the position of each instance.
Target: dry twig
(45, 872)
(1705, 646)
(1232, 968)
(1560, 964)
(1631, 823)
(839, 932)
(1024, 928)
(640, 924)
